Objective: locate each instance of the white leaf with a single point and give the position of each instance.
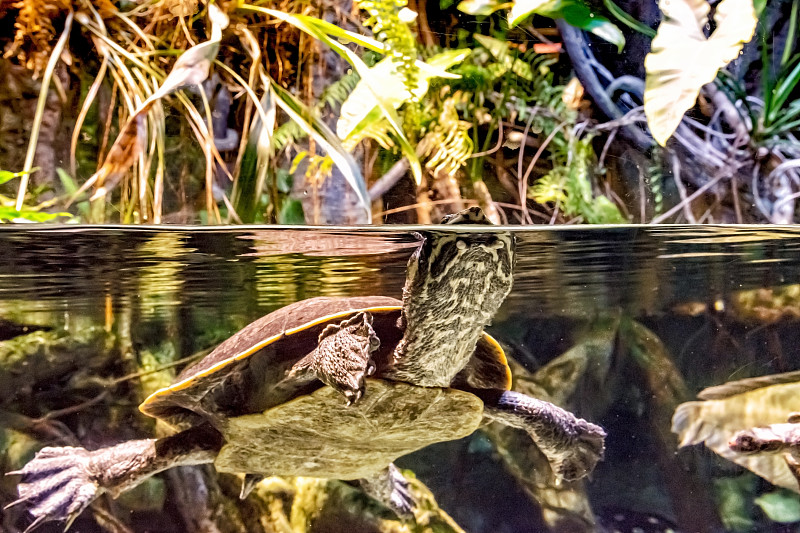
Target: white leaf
(682, 59)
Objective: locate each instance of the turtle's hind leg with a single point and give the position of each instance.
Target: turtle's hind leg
(59, 483)
(572, 445)
(391, 488)
(342, 358)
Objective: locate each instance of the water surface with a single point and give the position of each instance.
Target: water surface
(689, 285)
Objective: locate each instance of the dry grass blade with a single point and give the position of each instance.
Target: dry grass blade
(191, 68)
(40, 104)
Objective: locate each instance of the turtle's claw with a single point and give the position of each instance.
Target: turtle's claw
(402, 502)
(392, 489)
(580, 459)
(248, 484)
(353, 395)
(56, 485)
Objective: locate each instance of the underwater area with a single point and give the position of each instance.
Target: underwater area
(619, 324)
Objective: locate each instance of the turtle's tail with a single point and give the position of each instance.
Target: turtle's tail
(59, 483)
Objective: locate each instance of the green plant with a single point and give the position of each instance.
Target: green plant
(10, 212)
(777, 113)
(575, 12)
(569, 186)
(390, 26)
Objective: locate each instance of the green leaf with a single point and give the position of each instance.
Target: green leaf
(785, 88)
(734, 497)
(682, 59)
(781, 506)
(357, 111)
(291, 213)
(284, 180)
(9, 214)
(66, 181)
(6, 175)
(499, 49)
(576, 12)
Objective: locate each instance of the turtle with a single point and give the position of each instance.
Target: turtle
(338, 388)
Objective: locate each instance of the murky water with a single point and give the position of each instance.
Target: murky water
(668, 311)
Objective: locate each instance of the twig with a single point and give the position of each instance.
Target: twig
(694, 195)
(523, 197)
(58, 413)
(633, 116)
(388, 180)
(737, 208)
(496, 146)
(432, 202)
(676, 175)
(606, 145)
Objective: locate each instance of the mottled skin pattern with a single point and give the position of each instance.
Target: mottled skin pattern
(570, 443)
(454, 286)
(342, 357)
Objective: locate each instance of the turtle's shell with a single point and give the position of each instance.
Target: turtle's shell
(275, 427)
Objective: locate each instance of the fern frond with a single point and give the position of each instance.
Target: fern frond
(389, 28)
(448, 145)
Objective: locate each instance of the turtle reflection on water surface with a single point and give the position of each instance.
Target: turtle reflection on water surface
(413, 373)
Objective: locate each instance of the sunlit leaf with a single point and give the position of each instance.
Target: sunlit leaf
(362, 102)
(7, 175)
(682, 59)
(480, 7)
(780, 506)
(10, 214)
(318, 31)
(576, 12)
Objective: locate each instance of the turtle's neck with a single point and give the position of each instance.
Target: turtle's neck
(454, 285)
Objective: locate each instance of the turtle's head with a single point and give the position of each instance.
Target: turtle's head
(470, 215)
(454, 261)
(455, 283)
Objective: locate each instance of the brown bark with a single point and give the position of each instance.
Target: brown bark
(19, 92)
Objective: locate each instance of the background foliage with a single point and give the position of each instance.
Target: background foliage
(379, 111)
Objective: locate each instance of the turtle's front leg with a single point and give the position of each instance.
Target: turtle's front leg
(572, 445)
(59, 483)
(342, 358)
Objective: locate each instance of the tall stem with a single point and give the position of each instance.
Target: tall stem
(37, 119)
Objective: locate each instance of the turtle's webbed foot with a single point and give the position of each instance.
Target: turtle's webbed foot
(342, 358)
(578, 459)
(572, 445)
(391, 488)
(56, 485)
